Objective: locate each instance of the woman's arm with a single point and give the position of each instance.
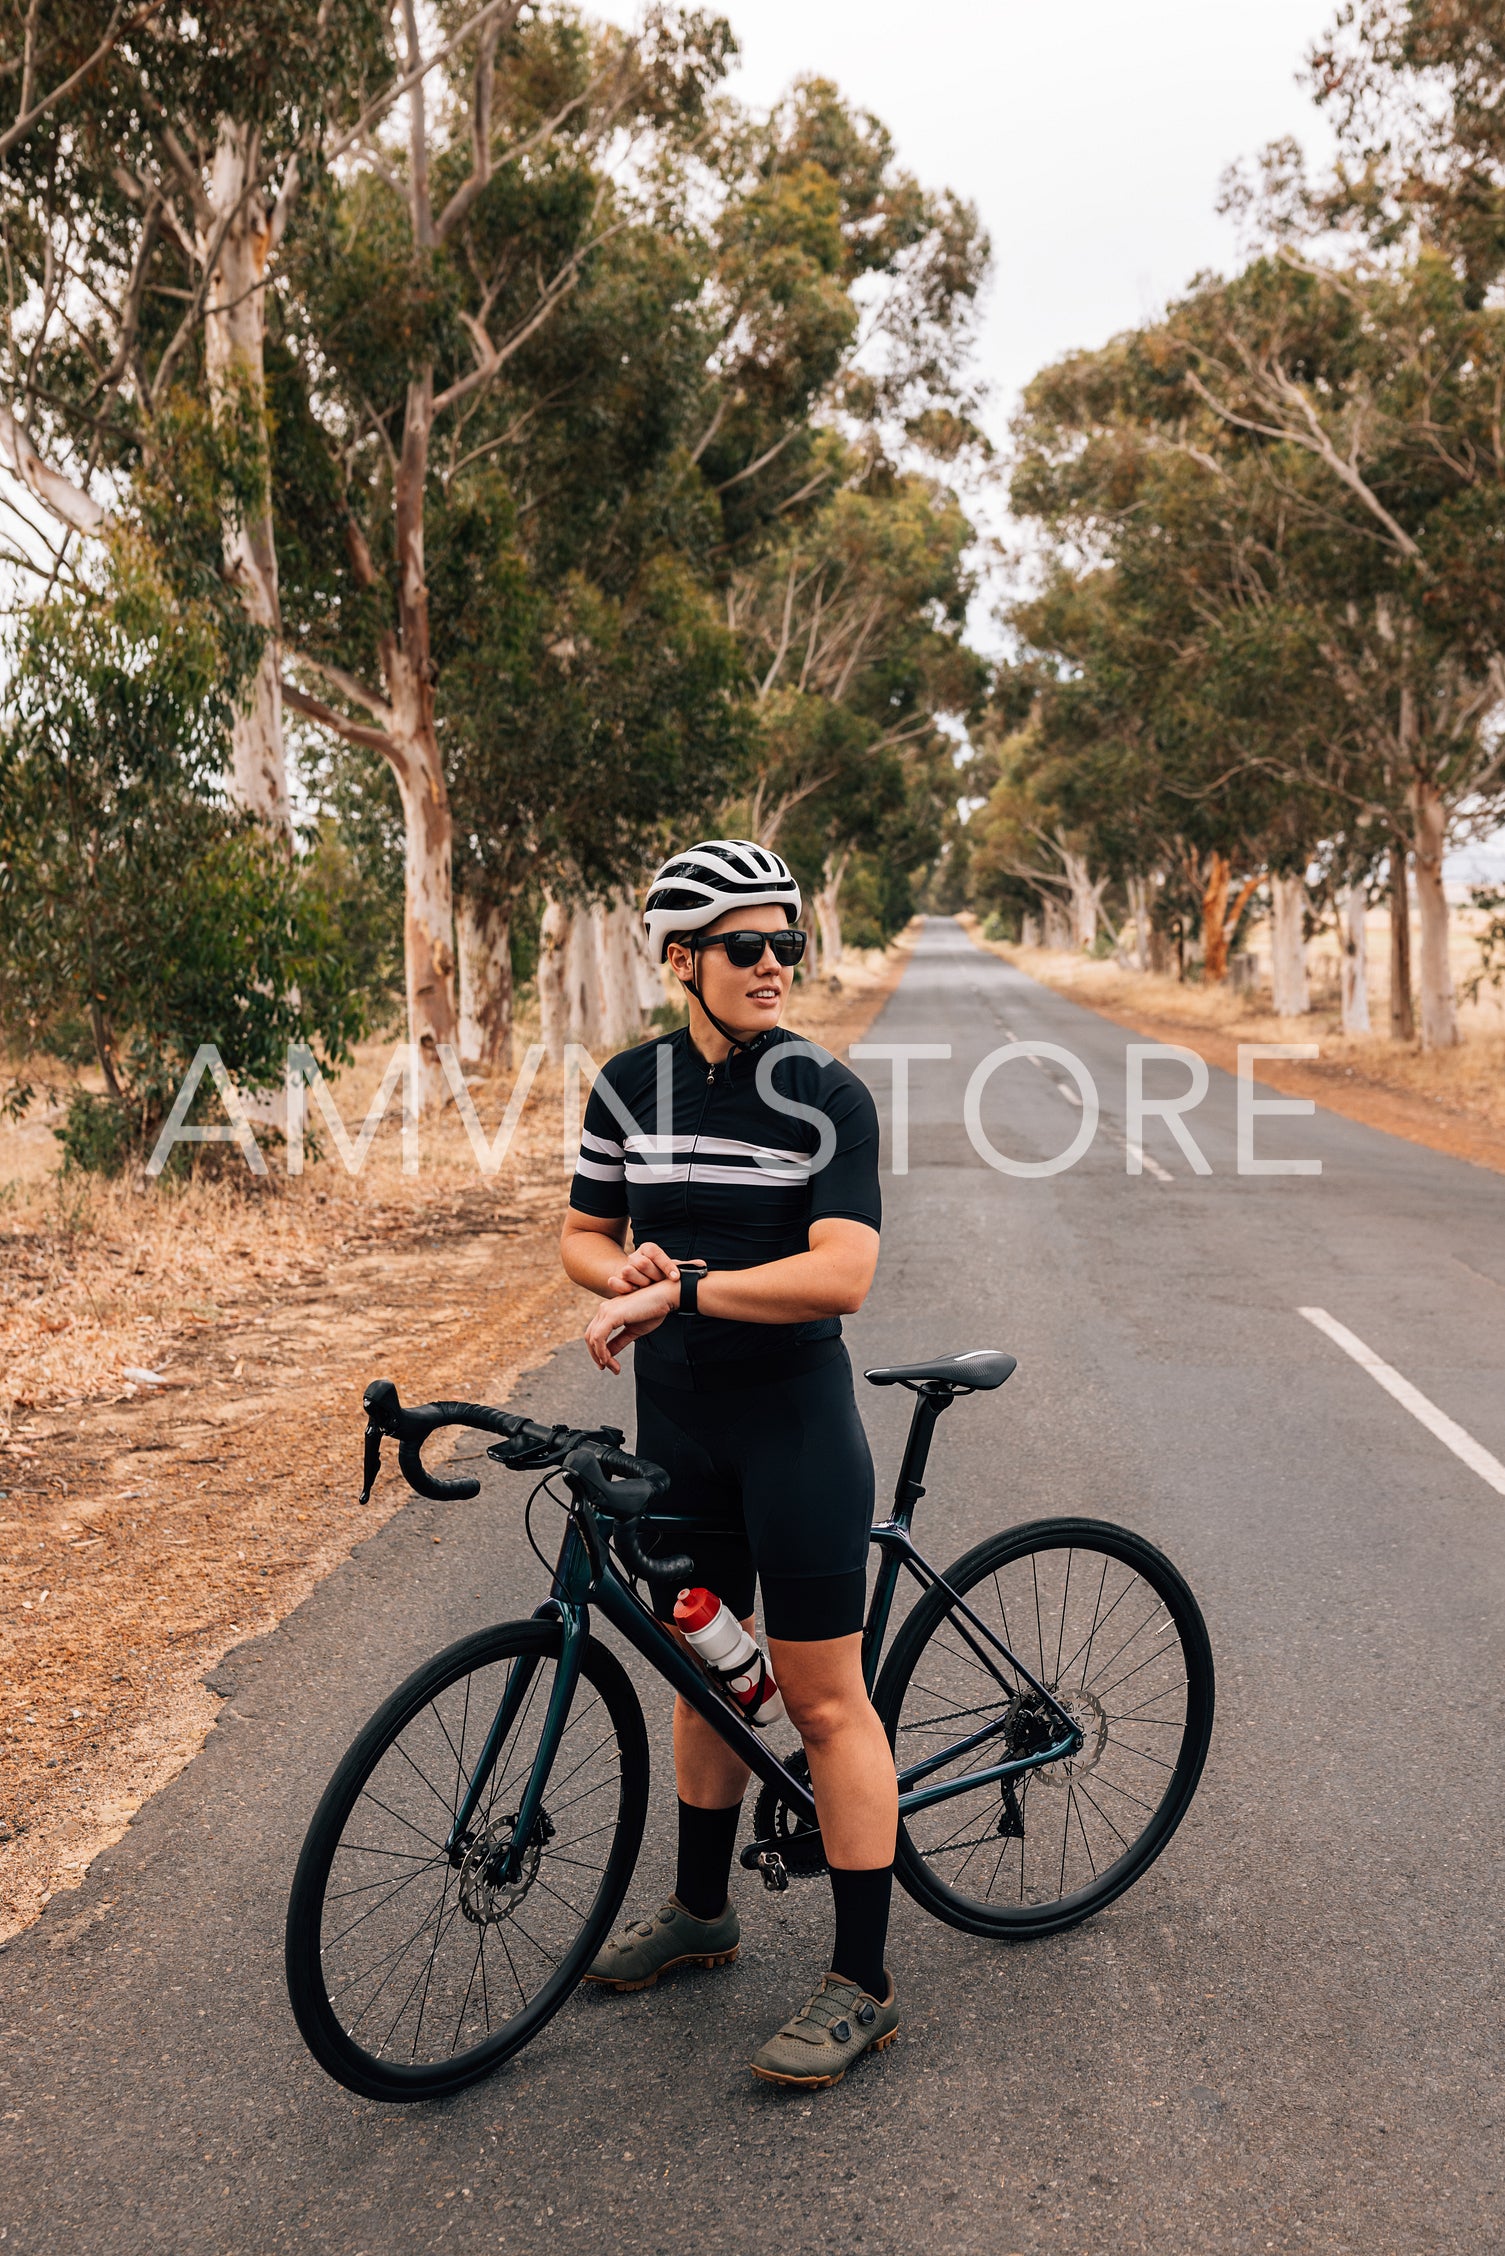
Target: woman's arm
(591, 1249)
(832, 1279)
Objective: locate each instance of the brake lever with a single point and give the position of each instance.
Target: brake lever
(372, 1464)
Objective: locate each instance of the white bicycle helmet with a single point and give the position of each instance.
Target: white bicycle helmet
(695, 887)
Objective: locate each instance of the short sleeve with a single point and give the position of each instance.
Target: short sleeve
(847, 1186)
(600, 1181)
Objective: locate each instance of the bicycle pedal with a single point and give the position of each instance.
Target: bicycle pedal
(774, 1870)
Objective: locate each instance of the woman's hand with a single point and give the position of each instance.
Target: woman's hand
(645, 1265)
(617, 1323)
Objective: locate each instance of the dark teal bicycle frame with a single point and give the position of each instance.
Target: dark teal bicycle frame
(586, 1576)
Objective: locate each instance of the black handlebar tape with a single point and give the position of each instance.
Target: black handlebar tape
(623, 1467)
(433, 1485)
(637, 1562)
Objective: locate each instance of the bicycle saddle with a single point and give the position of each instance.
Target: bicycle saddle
(979, 1368)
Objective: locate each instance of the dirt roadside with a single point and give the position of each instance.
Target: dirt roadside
(146, 1528)
(1453, 1102)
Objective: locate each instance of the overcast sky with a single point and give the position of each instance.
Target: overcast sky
(1091, 137)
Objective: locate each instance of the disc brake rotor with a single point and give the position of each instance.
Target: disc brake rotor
(486, 1893)
(1037, 1728)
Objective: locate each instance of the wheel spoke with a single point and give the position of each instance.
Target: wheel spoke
(422, 1959)
(1109, 1645)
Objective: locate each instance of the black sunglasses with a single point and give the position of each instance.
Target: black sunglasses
(744, 949)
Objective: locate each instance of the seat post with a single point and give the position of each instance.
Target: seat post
(910, 1485)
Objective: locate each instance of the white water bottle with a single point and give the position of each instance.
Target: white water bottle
(728, 1653)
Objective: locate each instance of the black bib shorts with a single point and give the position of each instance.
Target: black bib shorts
(781, 1473)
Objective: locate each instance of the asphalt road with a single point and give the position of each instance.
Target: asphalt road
(1286, 2037)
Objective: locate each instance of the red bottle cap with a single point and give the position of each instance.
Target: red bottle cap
(696, 1609)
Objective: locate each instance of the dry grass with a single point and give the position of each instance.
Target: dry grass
(145, 1529)
(1453, 1100)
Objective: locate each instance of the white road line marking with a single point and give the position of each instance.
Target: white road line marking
(1150, 1166)
(1073, 1096)
(1473, 1453)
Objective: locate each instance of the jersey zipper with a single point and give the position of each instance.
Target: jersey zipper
(710, 1084)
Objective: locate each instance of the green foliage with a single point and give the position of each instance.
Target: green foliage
(1491, 972)
(96, 1135)
(133, 899)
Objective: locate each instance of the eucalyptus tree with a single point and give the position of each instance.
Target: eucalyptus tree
(853, 627)
(141, 216)
(141, 914)
(422, 273)
(643, 349)
(1313, 456)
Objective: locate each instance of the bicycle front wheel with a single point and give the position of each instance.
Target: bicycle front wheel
(413, 1969)
(1104, 1621)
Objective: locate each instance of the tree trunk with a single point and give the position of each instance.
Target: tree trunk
(1439, 1006)
(1139, 911)
(412, 749)
(827, 906)
(1291, 992)
(553, 943)
(234, 365)
(1402, 1017)
(1086, 900)
(428, 911)
(1215, 919)
(483, 940)
(1355, 962)
(595, 983)
(1056, 922)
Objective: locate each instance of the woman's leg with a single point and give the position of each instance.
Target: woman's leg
(856, 1792)
(711, 1783)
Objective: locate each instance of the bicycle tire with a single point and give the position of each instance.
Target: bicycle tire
(1036, 1911)
(470, 1893)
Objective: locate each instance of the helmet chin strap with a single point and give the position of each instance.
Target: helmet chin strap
(738, 1041)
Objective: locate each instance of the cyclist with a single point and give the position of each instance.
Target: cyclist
(754, 1215)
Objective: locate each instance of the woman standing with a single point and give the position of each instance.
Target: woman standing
(754, 1214)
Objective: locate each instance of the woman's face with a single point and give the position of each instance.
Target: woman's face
(750, 1002)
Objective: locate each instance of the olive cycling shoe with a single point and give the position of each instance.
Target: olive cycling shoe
(635, 1958)
(831, 2029)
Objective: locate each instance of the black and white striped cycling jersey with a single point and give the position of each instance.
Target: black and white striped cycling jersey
(731, 1163)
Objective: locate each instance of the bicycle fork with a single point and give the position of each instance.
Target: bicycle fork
(576, 1625)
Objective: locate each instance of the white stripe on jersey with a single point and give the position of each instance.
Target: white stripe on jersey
(599, 1170)
(719, 1147)
(589, 1141)
(702, 1171)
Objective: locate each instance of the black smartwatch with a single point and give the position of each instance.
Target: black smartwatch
(690, 1274)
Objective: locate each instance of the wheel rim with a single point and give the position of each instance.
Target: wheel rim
(427, 1958)
(1107, 1641)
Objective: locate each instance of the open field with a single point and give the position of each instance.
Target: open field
(1451, 1100)
(145, 1529)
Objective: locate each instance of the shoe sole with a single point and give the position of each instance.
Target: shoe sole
(822, 2083)
(691, 1958)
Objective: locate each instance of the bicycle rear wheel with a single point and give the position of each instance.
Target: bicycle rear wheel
(1106, 1623)
(413, 1971)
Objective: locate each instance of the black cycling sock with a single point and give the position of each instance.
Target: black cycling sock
(862, 1900)
(707, 1838)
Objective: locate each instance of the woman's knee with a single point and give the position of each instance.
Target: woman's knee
(822, 1712)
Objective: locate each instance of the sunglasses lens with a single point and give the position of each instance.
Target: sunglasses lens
(744, 949)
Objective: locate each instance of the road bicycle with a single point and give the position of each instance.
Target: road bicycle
(1049, 1700)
